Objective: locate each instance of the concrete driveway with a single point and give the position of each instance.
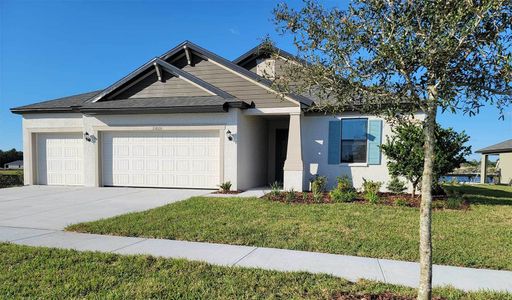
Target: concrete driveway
(55, 207)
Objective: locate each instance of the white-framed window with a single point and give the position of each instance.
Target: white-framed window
(354, 140)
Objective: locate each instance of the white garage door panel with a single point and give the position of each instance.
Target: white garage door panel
(188, 159)
(60, 159)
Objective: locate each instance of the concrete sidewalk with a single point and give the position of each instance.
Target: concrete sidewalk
(349, 267)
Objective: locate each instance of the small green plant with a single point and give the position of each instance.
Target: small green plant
(344, 184)
(438, 204)
(373, 198)
(401, 202)
(371, 187)
(290, 195)
(339, 196)
(318, 184)
(395, 185)
(275, 189)
(225, 186)
(454, 203)
(305, 196)
(318, 197)
(336, 195)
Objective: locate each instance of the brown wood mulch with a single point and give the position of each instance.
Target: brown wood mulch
(388, 199)
(226, 192)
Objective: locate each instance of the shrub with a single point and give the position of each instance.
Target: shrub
(318, 197)
(373, 198)
(401, 202)
(454, 203)
(371, 187)
(225, 186)
(437, 189)
(290, 195)
(339, 196)
(396, 186)
(318, 184)
(275, 189)
(8, 180)
(305, 196)
(438, 204)
(344, 184)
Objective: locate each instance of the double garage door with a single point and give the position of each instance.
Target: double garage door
(184, 159)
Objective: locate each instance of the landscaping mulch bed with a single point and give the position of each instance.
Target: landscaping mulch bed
(227, 192)
(382, 296)
(388, 199)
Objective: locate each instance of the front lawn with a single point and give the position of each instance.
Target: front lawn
(43, 273)
(478, 237)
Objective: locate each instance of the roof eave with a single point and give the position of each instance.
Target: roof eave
(21, 111)
(498, 151)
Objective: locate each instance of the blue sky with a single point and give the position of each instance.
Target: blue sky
(51, 49)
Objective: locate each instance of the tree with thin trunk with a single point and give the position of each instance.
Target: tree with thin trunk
(396, 58)
(404, 150)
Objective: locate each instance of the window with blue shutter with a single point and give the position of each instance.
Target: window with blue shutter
(355, 140)
(334, 142)
(374, 141)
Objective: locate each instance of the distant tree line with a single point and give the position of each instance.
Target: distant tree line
(10, 155)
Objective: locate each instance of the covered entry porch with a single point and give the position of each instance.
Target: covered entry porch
(281, 130)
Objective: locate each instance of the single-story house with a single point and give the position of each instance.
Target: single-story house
(503, 164)
(190, 118)
(17, 164)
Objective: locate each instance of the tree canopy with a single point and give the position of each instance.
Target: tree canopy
(395, 58)
(382, 56)
(404, 151)
(10, 155)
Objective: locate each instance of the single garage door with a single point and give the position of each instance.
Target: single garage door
(60, 159)
(184, 159)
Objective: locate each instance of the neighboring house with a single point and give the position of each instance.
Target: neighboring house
(192, 119)
(17, 164)
(504, 163)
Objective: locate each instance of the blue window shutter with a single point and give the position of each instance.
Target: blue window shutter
(374, 141)
(334, 143)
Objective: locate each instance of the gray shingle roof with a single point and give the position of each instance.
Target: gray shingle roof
(69, 103)
(505, 146)
(163, 104)
(81, 102)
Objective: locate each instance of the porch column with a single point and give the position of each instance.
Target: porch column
(293, 166)
(483, 168)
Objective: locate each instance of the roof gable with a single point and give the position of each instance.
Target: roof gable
(158, 67)
(188, 47)
(264, 50)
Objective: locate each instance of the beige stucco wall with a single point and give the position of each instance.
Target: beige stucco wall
(252, 151)
(315, 135)
(506, 168)
(94, 125)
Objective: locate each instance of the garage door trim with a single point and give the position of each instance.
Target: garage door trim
(35, 136)
(102, 130)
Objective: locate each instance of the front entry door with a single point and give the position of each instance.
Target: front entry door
(281, 147)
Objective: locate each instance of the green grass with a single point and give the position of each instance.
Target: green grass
(43, 273)
(479, 237)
